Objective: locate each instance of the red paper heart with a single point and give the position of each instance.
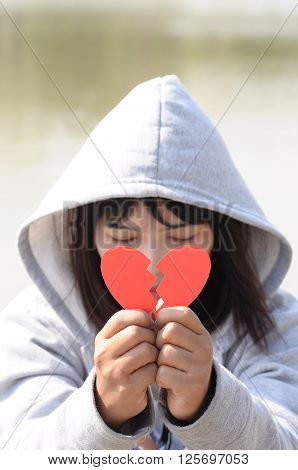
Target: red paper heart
(186, 270)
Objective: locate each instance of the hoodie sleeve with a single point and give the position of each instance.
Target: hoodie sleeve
(46, 402)
(255, 402)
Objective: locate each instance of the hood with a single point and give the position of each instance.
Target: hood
(156, 141)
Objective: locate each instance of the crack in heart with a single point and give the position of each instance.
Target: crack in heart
(185, 272)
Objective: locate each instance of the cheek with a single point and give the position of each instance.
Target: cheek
(100, 241)
(98, 247)
(204, 239)
(102, 249)
(103, 241)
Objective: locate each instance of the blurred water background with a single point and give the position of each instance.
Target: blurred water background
(97, 51)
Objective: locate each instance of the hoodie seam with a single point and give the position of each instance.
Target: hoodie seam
(268, 225)
(191, 188)
(40, 280)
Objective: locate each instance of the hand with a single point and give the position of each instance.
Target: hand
(184, 361)
(125, 359)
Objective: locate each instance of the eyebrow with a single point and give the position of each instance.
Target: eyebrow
(119, 225)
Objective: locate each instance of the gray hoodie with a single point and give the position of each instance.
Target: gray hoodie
(155, 142)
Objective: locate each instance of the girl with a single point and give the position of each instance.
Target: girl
(82, 372)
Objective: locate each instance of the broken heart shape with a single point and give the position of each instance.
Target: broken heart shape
(186, 270)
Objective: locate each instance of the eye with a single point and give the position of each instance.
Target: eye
(122, 241)
(175, 240)
(182, 239)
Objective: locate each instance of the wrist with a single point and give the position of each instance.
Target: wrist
(103, 412)
(206, 402)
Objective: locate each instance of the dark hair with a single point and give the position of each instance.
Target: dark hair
(232, 287)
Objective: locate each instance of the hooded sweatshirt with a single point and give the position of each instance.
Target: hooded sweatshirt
(156, 141)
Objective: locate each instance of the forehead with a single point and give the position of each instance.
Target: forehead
(140, 214)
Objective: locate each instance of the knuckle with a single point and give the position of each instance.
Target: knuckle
(161, 371)
(183, 310)
(151, 336)
(123, 378)
(208, 346)
(118, 374)
(98, 339)
(120, 313)
(170, 330)
(106, 373)
(121, 318)
(134, 331)
(122, 389)
(166, 350)
(154, 368)
(155, 353)
(147, 347)
(113, 374)
(160, 376)
(99, 355)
